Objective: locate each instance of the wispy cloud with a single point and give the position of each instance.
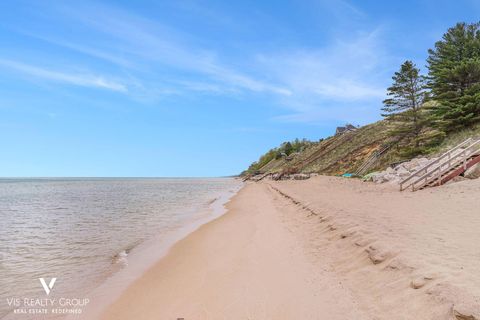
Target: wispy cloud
(84, 49)
(347, 71)
(344, 9)
(156, 60)
(157, 46)
(84, 80)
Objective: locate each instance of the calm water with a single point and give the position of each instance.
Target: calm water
(82, 230)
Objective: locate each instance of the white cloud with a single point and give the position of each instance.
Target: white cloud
(156, 60)
(349, 71)
(84, 80)
(87, 50)
(343, 9)
(344, 70)
(155, 45)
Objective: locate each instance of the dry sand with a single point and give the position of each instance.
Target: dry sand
(325, 248)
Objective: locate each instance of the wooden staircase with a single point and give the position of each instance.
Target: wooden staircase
(371, 160)
(376, 155)
(448, 166)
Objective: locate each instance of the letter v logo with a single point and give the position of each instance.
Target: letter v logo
(48, 287)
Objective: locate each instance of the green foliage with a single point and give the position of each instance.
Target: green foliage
(289, 147)
(285, 149)
(454, 78)
(403, 109)
(417, 120)
(456, 138)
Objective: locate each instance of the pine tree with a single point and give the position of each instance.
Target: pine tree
(287, 148)
(403, 108)
(454, 77)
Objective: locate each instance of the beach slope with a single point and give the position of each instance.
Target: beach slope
(325, 248)
(246, 264)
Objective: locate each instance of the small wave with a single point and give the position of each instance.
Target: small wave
(121, 257)
(213, 200)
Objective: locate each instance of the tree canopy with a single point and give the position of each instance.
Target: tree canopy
(403, 108)
(454, 77)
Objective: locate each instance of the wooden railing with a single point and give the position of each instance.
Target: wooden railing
(376, 155)
(371, 160)
(435, 169)
(439, 171)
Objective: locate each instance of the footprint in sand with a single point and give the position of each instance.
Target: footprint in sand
(422, 281)
(377, 255)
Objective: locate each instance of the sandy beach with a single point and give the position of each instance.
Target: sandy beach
(325, 248)
(240, 160)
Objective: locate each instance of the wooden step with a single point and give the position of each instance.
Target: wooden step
(453, 171)
(461, 169)
(446, 167)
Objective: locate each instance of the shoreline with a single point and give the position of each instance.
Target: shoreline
(139, 259)
(244, 273)
(380, 253)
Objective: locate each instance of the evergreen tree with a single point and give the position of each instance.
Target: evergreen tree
(403, 108)
(454, 77)
(287, 148)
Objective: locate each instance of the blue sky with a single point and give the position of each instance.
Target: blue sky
(190, 88)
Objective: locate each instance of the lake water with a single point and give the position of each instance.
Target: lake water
(84, 231)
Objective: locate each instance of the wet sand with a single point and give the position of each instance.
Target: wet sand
(325, 248)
